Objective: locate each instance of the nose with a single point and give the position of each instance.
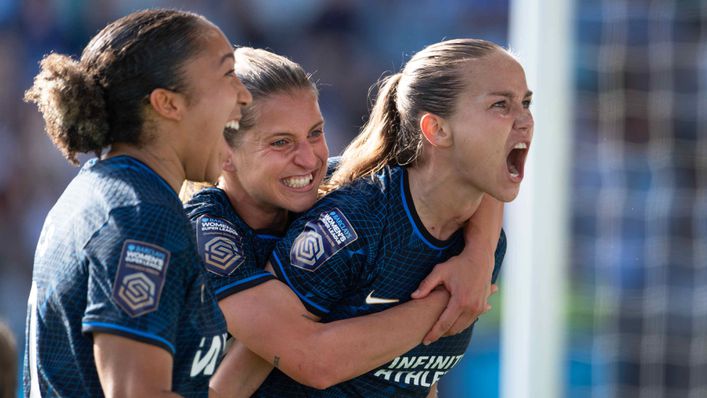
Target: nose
(305, 156)
(243, 96)
(524, 122)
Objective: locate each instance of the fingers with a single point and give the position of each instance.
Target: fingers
(445, 321)
(432, 280)
(455, 319)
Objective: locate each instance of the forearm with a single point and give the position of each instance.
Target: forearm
(271, 321)
(240, 373)
(433, 391)
(484, 226)
(395, 331)
(483, 230)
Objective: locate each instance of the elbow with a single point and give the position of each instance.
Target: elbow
(320, 374)
(321, 382)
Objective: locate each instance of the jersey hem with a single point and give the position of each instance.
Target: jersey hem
(132, 334)
(245, 284)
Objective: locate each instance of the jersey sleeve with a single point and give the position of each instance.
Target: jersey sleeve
(499, 255)
(141, 264)
(325, 255)
(228, 256)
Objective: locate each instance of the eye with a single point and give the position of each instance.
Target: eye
(231, 73)
(279, 143)
(499, 104)
(527, 103)
(316, 134)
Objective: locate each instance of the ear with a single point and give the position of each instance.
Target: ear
(228, 164)
(436, 130)
(168, 104)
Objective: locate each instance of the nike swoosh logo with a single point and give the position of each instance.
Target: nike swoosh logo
(376, 300)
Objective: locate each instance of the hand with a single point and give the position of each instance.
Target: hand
(470, 288)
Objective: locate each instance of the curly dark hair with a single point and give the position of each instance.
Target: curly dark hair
(100, 99)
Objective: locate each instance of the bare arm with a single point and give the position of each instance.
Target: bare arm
(433, 391)
(268, 318)
(241, 372)
(467, 276)
(129, 368)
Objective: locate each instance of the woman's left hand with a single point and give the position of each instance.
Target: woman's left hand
(470, 288)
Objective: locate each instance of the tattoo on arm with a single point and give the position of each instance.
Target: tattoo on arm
(276, 361)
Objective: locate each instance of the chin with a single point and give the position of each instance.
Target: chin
(505, 197)
(300, 206)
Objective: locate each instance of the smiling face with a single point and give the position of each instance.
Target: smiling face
(215, 97)
(279, 163)
(492, 125)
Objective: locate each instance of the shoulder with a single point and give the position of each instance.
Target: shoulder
(351, 217)
(212, 201)
(124, 181)
(210, 213)
(150, 223)
(362, 195)
(365, 199)
(115, 198)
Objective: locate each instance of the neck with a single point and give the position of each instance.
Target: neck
(443, 202)
(256, 216)
(165, 163)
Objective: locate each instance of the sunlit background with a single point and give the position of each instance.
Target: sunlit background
(632, 302)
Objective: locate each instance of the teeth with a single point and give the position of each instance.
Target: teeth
(520, 145)
(233, 124)
(513, 170)
(298, 182)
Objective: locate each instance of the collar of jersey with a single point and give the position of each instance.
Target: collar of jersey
(417, 225)
(142, 166)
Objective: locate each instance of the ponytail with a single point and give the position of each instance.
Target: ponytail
(73, 106)
(378, 144)
(430, 82)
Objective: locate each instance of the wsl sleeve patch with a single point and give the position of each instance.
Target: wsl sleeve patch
(140, 277)
(321, 239)
(220, 245)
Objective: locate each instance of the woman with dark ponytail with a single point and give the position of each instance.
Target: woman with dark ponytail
(119, 305)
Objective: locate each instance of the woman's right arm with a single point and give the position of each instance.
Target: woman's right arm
(129, 368)
(240, 373)
(272, 322)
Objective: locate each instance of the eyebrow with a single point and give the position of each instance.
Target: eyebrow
(315, 125)
(509, 94)
(227, 56)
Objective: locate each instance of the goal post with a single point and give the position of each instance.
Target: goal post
(534, 280)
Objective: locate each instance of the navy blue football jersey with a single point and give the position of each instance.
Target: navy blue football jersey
(234, 255)
(360, 250)
(117, 255)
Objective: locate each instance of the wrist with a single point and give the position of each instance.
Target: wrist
(478, 237)
(440, 294)
(480, 257)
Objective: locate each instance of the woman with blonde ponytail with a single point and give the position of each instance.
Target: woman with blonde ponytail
(447, 136)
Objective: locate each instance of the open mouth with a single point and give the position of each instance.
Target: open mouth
(516, 160)
(298, 181)
(232, 125)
